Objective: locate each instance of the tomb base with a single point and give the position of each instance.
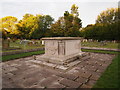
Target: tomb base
(61, 52)
(62, 65)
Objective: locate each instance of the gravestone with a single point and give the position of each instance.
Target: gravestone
(5, 43)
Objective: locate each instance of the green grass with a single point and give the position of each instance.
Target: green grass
(98, 44)
(100, 51)
(15, 56)
(21, 55)
(24, 46)
(17, 44)
(109, 78)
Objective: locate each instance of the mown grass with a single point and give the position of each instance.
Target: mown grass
(16, 46)
(21, 55)
(100, 51)
(99, 45)
(109, 78)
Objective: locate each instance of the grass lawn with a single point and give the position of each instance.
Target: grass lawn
(100, 51)
(109, 78)
(17, 44)
(15, 56)
(98, 44)
(24, 46)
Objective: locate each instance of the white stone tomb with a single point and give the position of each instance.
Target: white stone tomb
(61, 50)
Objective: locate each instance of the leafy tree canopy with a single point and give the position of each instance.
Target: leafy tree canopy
(68, 25)
(8, 26)
(108, 16)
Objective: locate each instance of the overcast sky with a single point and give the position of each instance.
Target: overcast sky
(88, 10)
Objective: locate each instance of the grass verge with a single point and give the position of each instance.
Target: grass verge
(100, 51)
(15, 56)
(109, 78)
(21, 55)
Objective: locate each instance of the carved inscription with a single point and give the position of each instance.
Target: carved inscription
(61, 48)
(51, 49)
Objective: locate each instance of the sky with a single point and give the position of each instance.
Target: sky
(88, 9)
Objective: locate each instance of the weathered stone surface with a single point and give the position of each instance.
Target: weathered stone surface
(91, 83)
(61, 49)
(10, 69)
(56, 85)
(86, 87)
(37, 86)
(60, 67)
(21, 73)
(68, 76)
(45, 73)
(70, 83)
(74, 63)
(81, 80)
(30, 81)
(94, 77)
(85, 75)
(48, 81)
(90, 67)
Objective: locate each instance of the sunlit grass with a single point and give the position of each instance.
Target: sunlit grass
(99, 45)
(21, 55)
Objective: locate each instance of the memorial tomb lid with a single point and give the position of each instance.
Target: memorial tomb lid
(62, 38)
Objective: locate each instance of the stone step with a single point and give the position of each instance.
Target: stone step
(43, 63)
(85, 58)
(73, 63)
(50, 65)
(69, 64)
(57, 66)
(71, 59)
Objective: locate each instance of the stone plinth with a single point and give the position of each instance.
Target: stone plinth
(61, 50)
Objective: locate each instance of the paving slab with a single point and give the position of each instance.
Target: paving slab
(70, 83)
(21, 73)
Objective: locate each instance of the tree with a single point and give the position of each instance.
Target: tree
(27, 25)
(74, 10)
(58, 28)
(108, 16)
(44, 23)
(106, 26)
(34, 27)
(8, 27)
(68, 25)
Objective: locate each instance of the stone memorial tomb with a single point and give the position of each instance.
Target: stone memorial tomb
(62, 52)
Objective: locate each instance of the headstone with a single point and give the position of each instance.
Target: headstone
(43, 43)
(5, 43)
